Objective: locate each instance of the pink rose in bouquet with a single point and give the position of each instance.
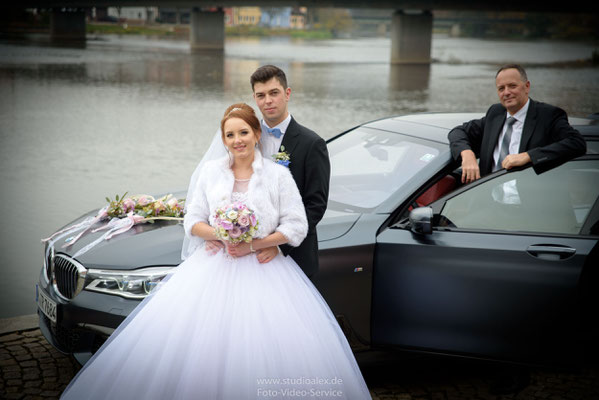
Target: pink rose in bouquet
(128, 205)
(159, 207)
(235, 232)
(226, 224)
(243, 220)
(144, 201)
(235, 223)
(173, 203)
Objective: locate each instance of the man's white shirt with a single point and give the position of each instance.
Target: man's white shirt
(508, 192)
(516, 132)
(269, 144)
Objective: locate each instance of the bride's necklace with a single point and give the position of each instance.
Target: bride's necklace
(242, 176)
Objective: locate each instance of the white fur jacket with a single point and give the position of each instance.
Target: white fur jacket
(272, 195)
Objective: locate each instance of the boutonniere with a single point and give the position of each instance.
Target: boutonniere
(282, 157)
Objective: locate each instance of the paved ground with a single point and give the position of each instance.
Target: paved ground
(32, 369)
(435, 378)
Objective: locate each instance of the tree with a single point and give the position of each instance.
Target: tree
(335, 20)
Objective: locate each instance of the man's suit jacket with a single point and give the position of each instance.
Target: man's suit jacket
(546, 136)
(311, 170)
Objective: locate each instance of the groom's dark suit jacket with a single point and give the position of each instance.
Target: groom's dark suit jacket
(546, 136)
(311, 170)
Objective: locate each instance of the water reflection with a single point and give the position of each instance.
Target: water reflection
(199, 71)
(68, 43)
(48, 73)
(237, 76)
(409, 77)
(207, 70)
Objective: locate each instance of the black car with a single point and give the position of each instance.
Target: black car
(504, 268)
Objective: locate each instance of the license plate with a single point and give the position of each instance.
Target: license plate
(47, 305)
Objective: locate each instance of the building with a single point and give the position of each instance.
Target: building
(244, 16)
(276, 17)
(134, 14)
(298, 18)
(172, 15)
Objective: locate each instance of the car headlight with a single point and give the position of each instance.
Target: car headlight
(133, 284)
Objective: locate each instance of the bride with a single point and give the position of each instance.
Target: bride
(231, 324)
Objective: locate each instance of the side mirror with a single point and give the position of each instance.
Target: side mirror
(421, 220)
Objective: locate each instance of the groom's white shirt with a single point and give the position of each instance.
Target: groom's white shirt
(270, 144)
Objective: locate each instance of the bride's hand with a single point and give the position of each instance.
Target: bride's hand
(239, 249)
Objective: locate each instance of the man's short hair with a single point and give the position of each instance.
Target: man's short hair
(520, 69)
(266, 73)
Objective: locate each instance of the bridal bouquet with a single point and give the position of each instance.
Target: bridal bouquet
(235, 223)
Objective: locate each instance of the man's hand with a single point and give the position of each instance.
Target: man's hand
(267, 254)
(515, 160)
(214, 246)
(470, 169)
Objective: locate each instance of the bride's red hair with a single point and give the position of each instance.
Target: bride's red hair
(246, 113)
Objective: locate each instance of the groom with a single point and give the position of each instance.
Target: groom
(309, 159)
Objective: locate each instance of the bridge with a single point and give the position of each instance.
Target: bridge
(411, 22)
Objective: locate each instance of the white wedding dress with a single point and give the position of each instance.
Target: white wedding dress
(226, 328)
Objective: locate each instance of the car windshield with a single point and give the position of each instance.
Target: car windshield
(369, 165)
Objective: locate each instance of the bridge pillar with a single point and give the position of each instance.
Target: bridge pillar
(207, 30)
(411, 37)
(67, 25)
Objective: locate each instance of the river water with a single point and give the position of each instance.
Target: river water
(135, 114)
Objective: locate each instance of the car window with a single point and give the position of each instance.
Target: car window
(557, 201)
(369, 165)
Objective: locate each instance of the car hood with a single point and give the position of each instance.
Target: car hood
(148, 244)
(159, 243)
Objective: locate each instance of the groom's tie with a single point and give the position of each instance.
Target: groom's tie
(276, 132)
(504, 150)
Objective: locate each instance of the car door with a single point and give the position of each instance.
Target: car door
(500, 274)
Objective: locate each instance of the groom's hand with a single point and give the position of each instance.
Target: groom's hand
(267, 254)
(214, 246)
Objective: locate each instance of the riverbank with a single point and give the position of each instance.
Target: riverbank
(22, 323)
(183, 30)
(169, 30)
(132, 29)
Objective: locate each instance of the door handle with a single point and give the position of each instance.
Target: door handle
(551, 251)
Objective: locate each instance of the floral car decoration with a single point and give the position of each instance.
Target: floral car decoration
(120, 215)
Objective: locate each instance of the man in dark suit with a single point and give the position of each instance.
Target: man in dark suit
(309, 159)
(516, 132)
